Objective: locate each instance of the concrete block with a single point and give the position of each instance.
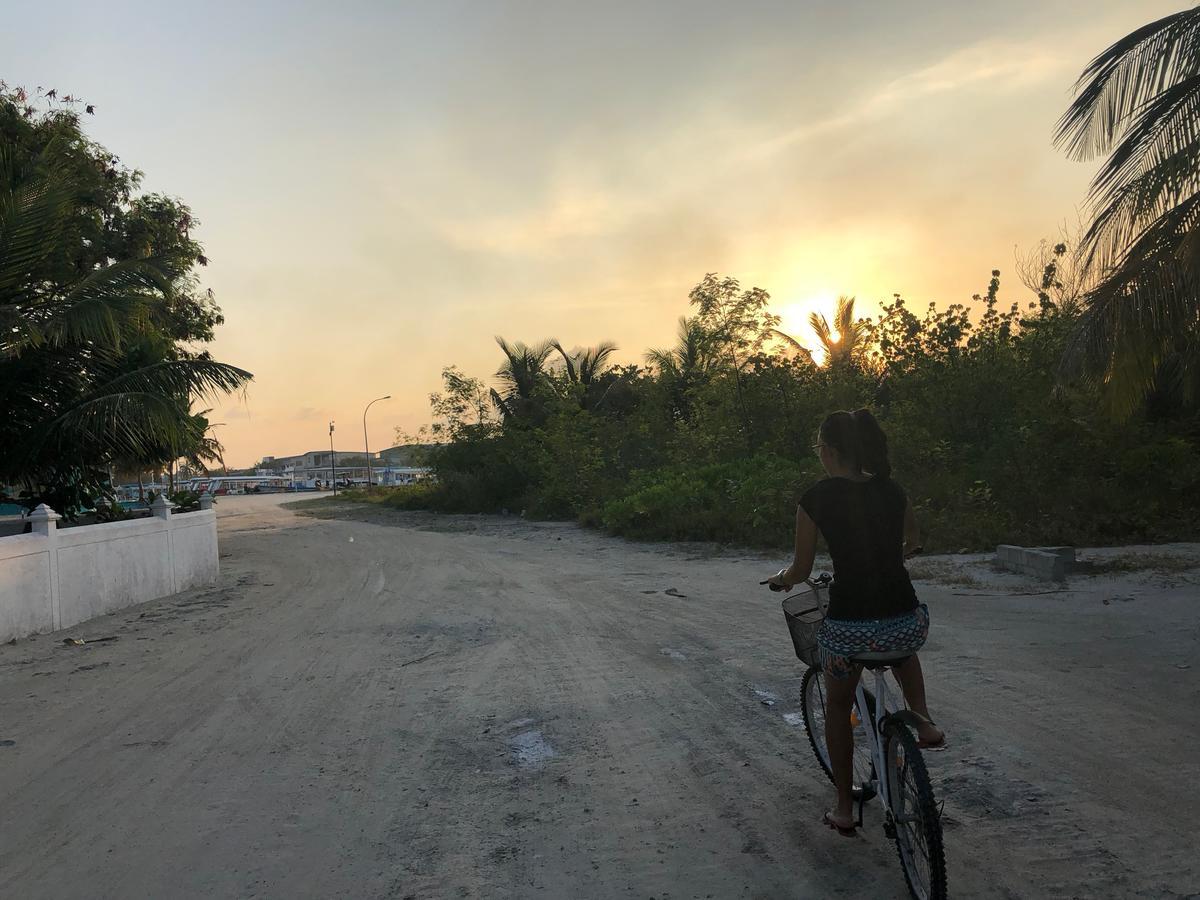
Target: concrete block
(1066, 554)
(1047, 563)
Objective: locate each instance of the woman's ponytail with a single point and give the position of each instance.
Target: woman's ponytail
(872, 444)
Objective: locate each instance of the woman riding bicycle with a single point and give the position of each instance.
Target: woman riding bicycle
(869, 527)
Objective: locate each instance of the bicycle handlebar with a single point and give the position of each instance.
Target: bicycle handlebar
(820, 581)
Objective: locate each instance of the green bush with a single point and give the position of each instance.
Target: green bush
(713, 443)
(185, 501)
(751, 501)
(410, 496)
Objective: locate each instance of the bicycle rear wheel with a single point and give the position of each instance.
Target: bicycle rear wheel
(812, 705)
(914, 814)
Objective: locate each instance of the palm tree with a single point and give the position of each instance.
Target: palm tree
(522, 376)
(1139, 102)
(792, 344)
(85, 376)
(692, 355)
(844, 348)
(584, 366)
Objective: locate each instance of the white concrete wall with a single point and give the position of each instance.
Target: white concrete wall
(56, 578)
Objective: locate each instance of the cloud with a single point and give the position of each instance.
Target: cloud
(236, 412)
(1000, 67)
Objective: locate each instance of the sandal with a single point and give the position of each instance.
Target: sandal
(932, 746)
(922, 744)
(840, 829)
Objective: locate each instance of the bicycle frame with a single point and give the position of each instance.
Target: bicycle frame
(881, 784)
(874, 735)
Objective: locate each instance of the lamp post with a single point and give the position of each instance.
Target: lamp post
(366, 441)
(332, 460)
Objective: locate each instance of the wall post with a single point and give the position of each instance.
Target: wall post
(44, 521)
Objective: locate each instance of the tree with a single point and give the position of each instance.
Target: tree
(692, 355)
(1139, 102)
(461, 408)
(738, 325)
(584, 365)
(1056, 271)
(522, 377)
(586, 375)
(843, 341)
(792, 346)
(97, 307)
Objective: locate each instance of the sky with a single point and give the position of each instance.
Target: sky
(385, 187)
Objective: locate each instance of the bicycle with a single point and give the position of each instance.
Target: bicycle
(887, 761)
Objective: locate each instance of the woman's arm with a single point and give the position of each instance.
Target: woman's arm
(806, 550)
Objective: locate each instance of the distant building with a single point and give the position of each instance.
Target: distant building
(405, 455)
(396, 465)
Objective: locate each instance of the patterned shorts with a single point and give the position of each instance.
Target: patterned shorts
(840, 639)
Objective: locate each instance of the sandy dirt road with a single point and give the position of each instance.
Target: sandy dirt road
(413, 707)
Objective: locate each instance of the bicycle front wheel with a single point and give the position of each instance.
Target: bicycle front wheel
(914, 814)
(812, 705)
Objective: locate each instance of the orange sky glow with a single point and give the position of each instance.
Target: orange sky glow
(384, 188)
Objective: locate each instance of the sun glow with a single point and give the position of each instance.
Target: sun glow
(794, 319)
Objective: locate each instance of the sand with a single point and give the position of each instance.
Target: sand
(402, 705)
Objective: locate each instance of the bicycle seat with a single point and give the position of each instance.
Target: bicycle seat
(875, 661)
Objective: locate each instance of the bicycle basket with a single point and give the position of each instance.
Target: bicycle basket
(804, 616)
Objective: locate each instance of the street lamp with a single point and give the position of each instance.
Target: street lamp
(332, 460)
(366, 442)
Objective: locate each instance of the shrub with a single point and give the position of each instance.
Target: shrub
(751, 501)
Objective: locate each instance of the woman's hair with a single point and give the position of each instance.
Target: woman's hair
(858, 440)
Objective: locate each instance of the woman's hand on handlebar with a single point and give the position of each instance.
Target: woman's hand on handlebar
(777, 582)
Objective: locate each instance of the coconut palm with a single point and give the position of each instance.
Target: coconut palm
(522, 376)
(1139, 102)
(692, 355)
(584, 366)
(792, 345)
(842, 341)
(85, 376)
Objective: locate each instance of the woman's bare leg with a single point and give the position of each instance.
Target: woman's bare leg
(839, 739)
(912, 681)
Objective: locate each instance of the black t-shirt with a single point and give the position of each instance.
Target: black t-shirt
(863, 524)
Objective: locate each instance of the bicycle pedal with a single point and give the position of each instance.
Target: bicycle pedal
(889, 827)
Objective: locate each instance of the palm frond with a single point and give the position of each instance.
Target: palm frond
(592, 360)
(500, 403)
(568, 361)
(104, 308)
(1119, 81)
(138, 414)
(194, 378)
(1131, 327)
(820, 326)
(662, 359)
(1152, 167)
(524, 367)
(32, 216)
(791, 342)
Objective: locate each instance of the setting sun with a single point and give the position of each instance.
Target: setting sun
(794, 318)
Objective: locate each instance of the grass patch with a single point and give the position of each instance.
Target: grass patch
(942, 573)
(1138, 562)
